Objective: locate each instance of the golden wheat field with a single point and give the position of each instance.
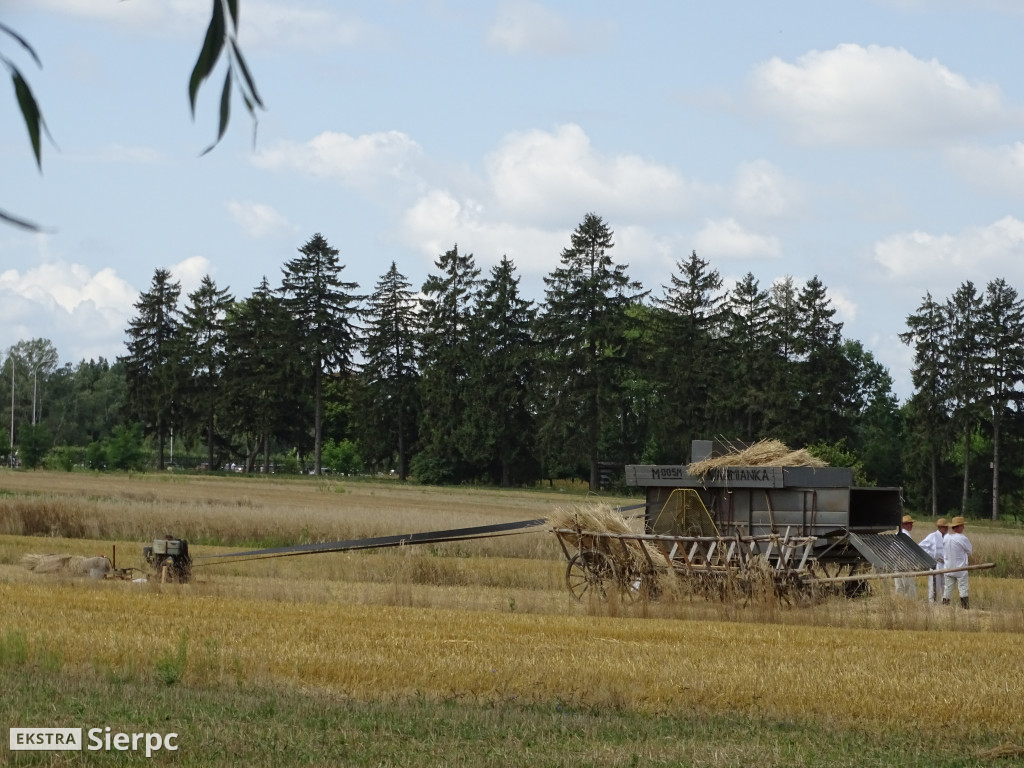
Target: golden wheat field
(480, 621)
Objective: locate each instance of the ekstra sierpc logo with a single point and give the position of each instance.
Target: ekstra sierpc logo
(46, 738)
(96, 739)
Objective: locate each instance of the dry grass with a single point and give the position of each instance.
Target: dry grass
(654, 665)
(764, 453)
(255, 512)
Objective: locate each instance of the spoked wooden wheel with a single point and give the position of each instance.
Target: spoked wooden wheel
(590, 572)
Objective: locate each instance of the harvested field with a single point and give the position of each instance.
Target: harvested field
(452, 631)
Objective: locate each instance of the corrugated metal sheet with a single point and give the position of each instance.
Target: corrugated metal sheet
(892, 554)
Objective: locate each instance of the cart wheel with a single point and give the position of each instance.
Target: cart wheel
(640, 586)
(590, 571)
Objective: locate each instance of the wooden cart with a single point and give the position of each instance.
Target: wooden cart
(641, 565)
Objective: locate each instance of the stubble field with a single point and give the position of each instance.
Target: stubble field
(467, 653)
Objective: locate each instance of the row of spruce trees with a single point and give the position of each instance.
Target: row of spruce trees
(465, 380)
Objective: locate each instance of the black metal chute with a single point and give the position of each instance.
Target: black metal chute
(378, 542)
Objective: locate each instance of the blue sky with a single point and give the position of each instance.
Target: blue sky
(877, 144)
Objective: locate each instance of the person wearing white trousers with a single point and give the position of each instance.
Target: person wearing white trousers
(906, 586)
(932, 544)
(957, 550)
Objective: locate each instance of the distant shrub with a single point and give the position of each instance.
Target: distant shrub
(342, 457)
(63, 458)
(124, 448)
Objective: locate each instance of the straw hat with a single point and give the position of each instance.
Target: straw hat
(908, 519)
(942, 523)
(957, 521)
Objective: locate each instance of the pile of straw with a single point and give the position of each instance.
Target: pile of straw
(592, 517)
(627, 554)
(764, 453)
(68, 565)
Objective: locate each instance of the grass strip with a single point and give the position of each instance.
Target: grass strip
(283, 725)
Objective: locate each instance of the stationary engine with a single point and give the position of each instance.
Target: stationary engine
(169, 557)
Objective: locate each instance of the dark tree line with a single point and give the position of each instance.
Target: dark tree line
(468, 381)
(965, 420)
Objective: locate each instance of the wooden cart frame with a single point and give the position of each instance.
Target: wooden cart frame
(634, 565)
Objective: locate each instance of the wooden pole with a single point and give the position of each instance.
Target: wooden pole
(897, 574)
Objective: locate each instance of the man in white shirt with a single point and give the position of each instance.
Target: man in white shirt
(906, 586)
(932, 545)
(957, 550)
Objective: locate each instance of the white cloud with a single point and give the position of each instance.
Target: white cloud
(993, 169)
(944, 261)
(438, 220)
(257, 220)
(523, 26)
(728, 239)
(357, 161)
(846, 308)
(83, 313)
(190, 273)
(857, 96)
(541, 177)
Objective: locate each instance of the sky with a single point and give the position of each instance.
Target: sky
(876, 144)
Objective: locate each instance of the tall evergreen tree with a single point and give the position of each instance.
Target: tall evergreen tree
(928, 333)
(325, 308)
(388, 400)
(963, 366)
(446, 345)
(583, 329)
(1002, 363)
(747, 349)
(204, 353)
(501, 409)
(782, 415)
(152, 364)
(826, 376)
(689, 325)
(264, 373)
(874, 416)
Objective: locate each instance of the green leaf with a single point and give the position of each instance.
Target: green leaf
(225, 111)
(29, 111)
(212, 46)
(250, 84)
(19, 222)
(233, 10)
(23, 42)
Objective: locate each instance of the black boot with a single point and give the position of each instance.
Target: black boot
(965, 603)
(945, 601)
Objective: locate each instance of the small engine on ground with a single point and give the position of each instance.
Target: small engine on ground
(169, 556)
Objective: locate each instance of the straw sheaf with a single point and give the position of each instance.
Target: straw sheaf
(765, 453)
(600, 518)
(68, 565)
